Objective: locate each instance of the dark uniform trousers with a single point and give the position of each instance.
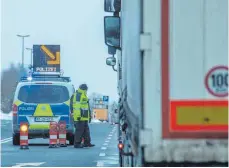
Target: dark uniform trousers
(82, 131)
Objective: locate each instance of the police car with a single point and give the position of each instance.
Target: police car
(40, 99)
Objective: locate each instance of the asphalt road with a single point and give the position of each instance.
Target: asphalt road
(105, 153)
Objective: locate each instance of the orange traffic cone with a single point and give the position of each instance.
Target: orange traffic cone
(62, 134)
(53, 131)
(24, 140)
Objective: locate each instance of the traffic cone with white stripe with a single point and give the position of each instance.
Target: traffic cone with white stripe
(53, 132)
(62, 134)
(24, 140)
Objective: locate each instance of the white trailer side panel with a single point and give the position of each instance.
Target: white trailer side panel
(131, 53)
(152, 79)
(198, 42)
(189, 24)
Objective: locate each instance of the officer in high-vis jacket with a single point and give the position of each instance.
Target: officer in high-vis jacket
(81, 115)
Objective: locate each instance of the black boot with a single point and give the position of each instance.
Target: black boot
(78, 146)
(89, 145)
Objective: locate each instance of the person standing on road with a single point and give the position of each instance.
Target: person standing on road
(81, 115)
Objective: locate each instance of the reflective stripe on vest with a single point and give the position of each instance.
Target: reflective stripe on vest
(80, 108)
(76, 106)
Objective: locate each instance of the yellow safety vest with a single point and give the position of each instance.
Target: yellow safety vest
(80, 106)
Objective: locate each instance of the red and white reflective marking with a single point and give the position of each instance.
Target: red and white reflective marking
(62, 135)
(53, 136)
(23, 137)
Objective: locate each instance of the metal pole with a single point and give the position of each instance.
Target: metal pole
(32, 57)
(23, 52)
(23, 47)
(31, 54)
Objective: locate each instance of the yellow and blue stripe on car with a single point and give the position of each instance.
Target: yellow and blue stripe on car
(28, 112)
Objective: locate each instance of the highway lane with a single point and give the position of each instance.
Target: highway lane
(40, 155)
(6, 129)
(109, 156)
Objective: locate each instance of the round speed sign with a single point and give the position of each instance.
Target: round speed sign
(216, 81)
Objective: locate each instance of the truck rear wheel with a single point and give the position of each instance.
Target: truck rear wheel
(16, 139)
(120, 159)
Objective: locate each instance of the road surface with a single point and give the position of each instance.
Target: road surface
(105, 153)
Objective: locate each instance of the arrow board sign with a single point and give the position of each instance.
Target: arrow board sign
(46, 58)
(105, 98)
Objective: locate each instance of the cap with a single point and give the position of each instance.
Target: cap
(83, 87)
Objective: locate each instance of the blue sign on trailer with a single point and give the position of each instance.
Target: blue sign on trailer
(46, 58)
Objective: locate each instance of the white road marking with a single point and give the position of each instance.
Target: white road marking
(113, 158)
(102, 154)
(99, 164)
(6, 140)
(28, 164)
(104, 148)
(109, 162)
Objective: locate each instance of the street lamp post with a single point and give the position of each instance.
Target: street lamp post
(23, 36)
(31, 52)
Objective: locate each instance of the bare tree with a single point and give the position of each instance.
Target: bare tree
(9, 80)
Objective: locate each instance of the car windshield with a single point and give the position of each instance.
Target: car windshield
(43, 94)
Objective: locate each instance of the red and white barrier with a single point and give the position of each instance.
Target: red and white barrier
(53, 132)
(24, 132)
(62, 134)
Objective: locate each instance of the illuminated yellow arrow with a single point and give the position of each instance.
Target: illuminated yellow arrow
(55, 62)
(52, 56)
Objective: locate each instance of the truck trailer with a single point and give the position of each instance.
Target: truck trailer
(172, 71)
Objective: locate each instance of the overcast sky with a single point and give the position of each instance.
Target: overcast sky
(74, 24)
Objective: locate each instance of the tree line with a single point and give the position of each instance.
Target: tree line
(9, 79)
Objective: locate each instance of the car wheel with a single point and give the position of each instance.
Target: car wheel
(16, 139)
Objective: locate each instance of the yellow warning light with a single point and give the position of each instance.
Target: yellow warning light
(24, 128)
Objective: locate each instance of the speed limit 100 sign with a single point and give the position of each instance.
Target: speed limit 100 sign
(216, 81)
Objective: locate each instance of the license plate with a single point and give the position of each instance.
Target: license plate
(43, 119)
